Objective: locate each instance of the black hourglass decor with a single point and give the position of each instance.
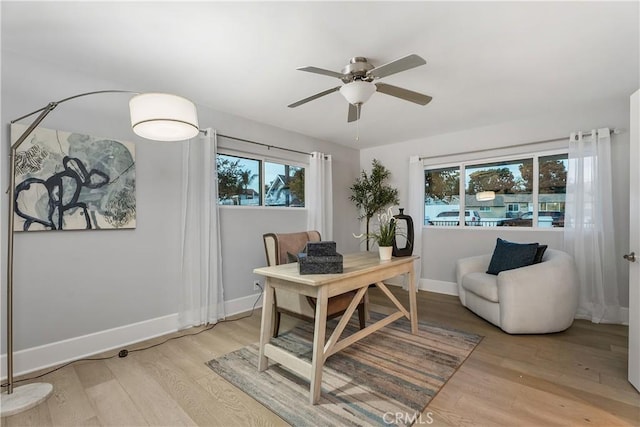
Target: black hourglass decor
(408, 228)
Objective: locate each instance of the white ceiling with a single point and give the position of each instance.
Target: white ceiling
(487, 62)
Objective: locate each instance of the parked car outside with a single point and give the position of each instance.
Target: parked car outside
(556, 219)
(451, 218)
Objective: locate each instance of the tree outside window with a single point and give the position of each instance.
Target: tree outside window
(242, 181)
(442, 193)
(511, 180)
(238, 180)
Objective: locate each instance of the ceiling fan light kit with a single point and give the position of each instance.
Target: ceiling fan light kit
(357, 92)
(358, 83)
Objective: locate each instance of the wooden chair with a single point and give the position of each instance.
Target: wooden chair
(283, 248)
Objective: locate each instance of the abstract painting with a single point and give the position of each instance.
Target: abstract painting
(71, 181)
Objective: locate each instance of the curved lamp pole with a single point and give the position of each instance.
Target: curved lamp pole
(156, 116)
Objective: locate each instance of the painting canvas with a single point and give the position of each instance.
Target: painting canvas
(71, 181)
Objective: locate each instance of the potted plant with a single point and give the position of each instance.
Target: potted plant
(385, 235)
(371, 194)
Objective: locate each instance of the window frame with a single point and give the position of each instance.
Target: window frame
(463, 164)
(262, 159)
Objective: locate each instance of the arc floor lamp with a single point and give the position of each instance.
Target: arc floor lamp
(155, 116)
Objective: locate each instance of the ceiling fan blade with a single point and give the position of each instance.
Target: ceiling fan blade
(322, 71)
(407, 95)
(312, 97)
(406, 63)
(354, 113)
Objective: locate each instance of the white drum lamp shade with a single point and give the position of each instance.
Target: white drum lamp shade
(357, 92)
(163, 117)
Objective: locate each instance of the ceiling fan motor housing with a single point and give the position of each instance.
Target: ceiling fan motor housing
(357, 70)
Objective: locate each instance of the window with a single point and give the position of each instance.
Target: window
(442, 192)
(245, 181)
(513, 181)
(552, 172)
(284, 185)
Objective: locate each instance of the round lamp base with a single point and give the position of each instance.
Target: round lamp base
(24, 397)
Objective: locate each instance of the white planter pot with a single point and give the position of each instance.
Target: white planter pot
(385, 252)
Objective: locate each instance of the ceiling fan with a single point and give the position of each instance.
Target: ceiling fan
(358, 82)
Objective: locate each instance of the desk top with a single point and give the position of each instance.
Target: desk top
(353, 265)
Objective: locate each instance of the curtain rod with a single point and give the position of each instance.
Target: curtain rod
(269, 147)
(611, 131)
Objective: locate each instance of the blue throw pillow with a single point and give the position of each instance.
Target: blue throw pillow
(508, 255)
(539, 254)
(291, 258)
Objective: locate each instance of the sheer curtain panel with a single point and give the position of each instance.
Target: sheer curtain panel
(319, 195)
(588, 229)
(202, 291)
(416, 208)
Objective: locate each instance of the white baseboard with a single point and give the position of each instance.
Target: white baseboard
(44, 356)
(438, 286)
(624, 311)
(430, 285)
(52, 354)
(243, 304)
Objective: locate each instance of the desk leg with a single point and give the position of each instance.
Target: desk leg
(413, 306)
(317, 363)
(266, 326)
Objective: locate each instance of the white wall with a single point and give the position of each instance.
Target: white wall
(242, 228)
(441, 247)
(77, 283)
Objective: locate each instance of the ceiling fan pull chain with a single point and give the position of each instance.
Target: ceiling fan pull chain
(358, 123)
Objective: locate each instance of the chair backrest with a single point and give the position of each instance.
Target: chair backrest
(277, 246)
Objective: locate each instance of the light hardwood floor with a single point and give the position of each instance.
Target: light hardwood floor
(577, 377)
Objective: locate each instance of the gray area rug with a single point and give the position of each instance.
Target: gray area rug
(388, 378)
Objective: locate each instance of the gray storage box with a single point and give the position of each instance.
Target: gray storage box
(320, 258)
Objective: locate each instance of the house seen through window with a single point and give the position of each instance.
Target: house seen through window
(244, 181)
(513, 181)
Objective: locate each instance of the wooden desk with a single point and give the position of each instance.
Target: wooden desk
(360, 270)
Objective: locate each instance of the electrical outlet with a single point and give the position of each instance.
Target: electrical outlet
(257, 286)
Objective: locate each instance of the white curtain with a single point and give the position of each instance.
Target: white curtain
(588, 230)
(319, 195)
(202, 291)
(416, 208)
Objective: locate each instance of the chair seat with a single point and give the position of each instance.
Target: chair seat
(482, 284)
(336, 304)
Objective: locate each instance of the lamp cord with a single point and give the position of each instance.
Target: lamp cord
(124, 352)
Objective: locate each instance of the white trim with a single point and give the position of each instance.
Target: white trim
(296, 159)
(468, 160)
(624, 314)
(47, 355)
(270, 208)
(56, 353)
(430, 285)
(242, 304)
(438, 286)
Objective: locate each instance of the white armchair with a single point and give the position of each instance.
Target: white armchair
(536, 299)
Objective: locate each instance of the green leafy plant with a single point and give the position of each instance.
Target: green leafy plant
(371, 194)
